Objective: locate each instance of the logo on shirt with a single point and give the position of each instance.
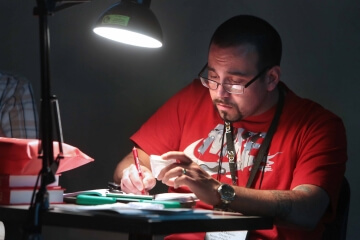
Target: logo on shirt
(207, 151)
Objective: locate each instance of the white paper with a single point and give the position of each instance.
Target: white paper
(181, 197)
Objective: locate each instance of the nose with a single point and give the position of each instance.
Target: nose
(221, 92)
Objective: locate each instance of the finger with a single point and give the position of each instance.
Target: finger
(165, 170)
(142, 184)
(126, 184)
(173, 176)
(131, 182)
(183, 179)
(135, 178)
(179, 156)
(126, 187)
(149, 180)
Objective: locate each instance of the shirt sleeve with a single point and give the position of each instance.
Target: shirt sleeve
(18, 113)
(162, 131)
(322, 156)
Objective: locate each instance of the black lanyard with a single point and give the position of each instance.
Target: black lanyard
(263, 150)
(231, 152)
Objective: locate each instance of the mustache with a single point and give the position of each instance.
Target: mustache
(222, 101)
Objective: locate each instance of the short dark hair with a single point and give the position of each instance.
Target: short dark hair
(246, 29)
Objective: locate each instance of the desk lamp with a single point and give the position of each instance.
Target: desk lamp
(131, 22)
(125, 17)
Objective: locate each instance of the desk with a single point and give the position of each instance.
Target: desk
(138, 227)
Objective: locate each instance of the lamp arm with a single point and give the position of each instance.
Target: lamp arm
(52, 6)
(145, 3)
(60, 4)
(47, 173)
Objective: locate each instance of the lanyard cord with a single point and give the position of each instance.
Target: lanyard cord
(231, 152)
(263, 150)
(228, 131)
(221, 155)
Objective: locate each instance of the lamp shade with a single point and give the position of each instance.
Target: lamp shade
(130, 22)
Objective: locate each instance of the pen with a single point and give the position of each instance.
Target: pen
(138, 167)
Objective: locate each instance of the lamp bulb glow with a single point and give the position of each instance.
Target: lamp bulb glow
(128, 37)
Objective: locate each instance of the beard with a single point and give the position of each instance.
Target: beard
(225, 115)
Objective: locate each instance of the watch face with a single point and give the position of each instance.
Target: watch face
(227, 192)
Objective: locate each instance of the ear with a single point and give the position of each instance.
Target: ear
(273, 77)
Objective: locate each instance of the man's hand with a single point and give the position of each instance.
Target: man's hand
(127, 176)
(302, 207)
(187, 173)
(132, 183)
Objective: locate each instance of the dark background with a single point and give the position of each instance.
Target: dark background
(107, 90)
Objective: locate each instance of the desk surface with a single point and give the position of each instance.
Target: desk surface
(151, 223)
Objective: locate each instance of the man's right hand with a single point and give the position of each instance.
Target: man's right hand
(132, 183)
(127, 176)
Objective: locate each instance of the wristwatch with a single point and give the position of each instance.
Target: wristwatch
(227, 195)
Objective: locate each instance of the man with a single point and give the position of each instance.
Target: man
(244, 102)
(18, 114)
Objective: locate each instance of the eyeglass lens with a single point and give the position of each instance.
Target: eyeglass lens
(212, 81)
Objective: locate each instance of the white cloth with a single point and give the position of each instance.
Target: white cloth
(232, 235)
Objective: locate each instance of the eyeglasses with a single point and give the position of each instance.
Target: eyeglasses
(229, 87)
